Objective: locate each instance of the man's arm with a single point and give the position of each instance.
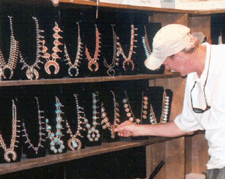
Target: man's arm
(169, 129)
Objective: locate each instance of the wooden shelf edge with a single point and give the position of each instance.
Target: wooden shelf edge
(26, 164)
(86, 79)
(120, 6)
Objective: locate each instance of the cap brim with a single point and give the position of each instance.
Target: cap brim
(152, 62)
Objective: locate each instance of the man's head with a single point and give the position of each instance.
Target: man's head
(168, 42)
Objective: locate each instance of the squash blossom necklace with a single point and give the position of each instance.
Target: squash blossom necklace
(10, 150)
(74, 65)
(51, 59)
(93, 61)
(32, 72)
(13, 55)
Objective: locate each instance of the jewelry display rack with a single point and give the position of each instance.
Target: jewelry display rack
(181, 154)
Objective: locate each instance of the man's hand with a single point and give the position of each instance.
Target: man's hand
(127, 129)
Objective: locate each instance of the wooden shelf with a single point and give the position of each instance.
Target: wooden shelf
(25, 164)
(86, 79)
(120, 6)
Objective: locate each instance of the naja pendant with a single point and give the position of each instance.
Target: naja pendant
(74, 144)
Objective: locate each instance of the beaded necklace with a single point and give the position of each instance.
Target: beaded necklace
(93, 133)
(105, 122)
(10, 150)
(13, 55)
(152, 118)
(165, 108)
(127, 60)
(165, 111)
(41, 134)
(56, 144)
(74, 143)
(74, 65)
(51, 59)
(32, 72)
(111, 71)
(128, 109)
(146, 44)
(93, 61)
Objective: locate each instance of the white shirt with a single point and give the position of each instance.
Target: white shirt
(213, 120)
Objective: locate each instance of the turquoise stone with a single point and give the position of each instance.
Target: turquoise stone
(56, 140)
(58, 104)
(74, 144)
(60, 150)
(52, 143)
(58, 119)
(51, 135)
(52, 147)
(47, 120)
(58, 111)
(59, 126)
(48, 128)
(58, 134)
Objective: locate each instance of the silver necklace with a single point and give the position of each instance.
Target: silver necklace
(74, 143)
(74, 65)
(13, 55)
(56, 144)
(32, 70)
(146, 44)
(128, 60)
(10, 150)
(41, 134)
(165, 108)
(111, 71)
(93, 133)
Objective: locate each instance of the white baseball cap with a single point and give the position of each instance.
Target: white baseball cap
(169, 40)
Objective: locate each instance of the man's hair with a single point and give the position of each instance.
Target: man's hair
(193, 44)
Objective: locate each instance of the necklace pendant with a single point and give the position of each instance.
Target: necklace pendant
(76, 70)
(92, 63)
(32, 73)
(74, 144)
(10, 152)
(54, 64)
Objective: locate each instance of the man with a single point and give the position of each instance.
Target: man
(204, 98)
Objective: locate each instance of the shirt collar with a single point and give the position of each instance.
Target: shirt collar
(204, 73)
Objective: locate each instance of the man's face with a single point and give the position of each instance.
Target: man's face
(179, 63)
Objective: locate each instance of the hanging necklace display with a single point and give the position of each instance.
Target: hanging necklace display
(74, 143)
(93, 61)
(41, 134)
(105, 122)
(13, 55)
(111, 71)
(74, 65)
(165, 108)
(51, 59)
(32, 72)
(93, 133)
(146, 44)
(56, 144)
(10, 150)
(129, 112)
(127, 60)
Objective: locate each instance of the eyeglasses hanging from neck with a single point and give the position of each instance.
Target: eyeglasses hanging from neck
(196, 109)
